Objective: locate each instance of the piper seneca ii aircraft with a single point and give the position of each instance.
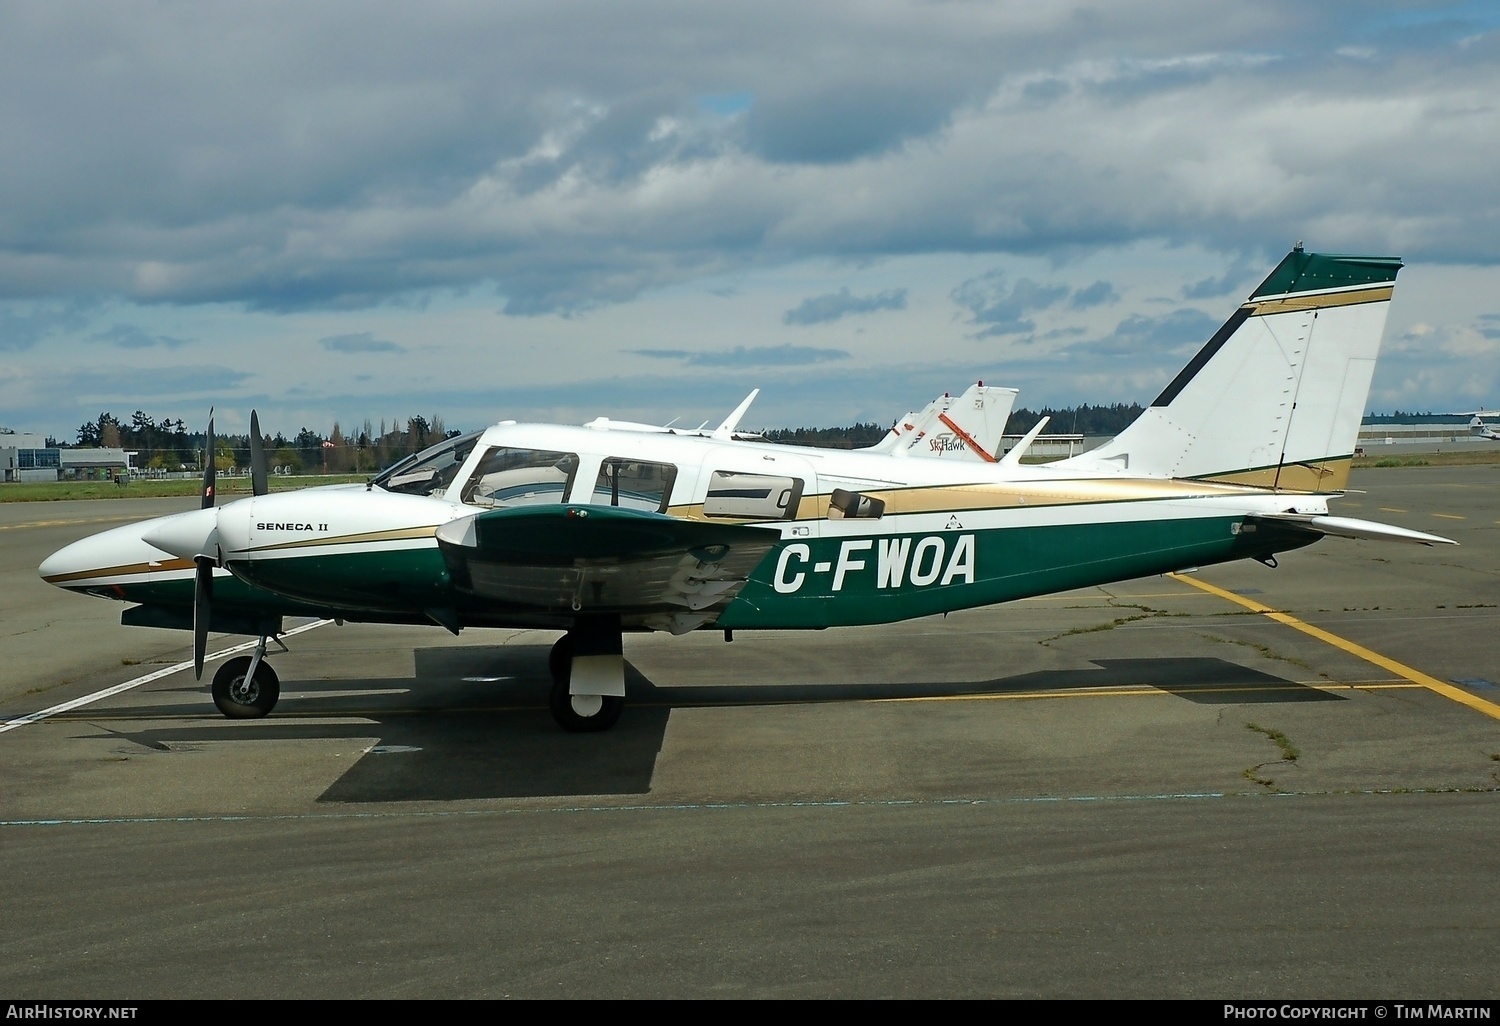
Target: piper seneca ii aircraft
(608, 528)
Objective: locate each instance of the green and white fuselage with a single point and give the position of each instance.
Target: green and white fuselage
(605, 528)
(947, 539)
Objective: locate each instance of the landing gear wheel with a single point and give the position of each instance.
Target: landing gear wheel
(577, 714)
(242, 699)
(584, 714)
(560, 658)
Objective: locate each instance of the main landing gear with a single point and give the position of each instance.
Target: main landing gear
(588, 675)
(246, 687)
(587, 664)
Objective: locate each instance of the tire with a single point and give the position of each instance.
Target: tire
(574, 722)
(560, 658)
(245, 700)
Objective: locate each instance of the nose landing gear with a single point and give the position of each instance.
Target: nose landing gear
(246, 687)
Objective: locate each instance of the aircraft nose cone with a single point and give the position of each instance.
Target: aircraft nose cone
(60, 564)
(96, 558)
(187, 535)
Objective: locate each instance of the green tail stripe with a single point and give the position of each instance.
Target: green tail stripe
(1314, 272)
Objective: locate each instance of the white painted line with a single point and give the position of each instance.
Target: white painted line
(147, 679)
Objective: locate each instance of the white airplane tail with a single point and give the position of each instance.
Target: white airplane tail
(1276, 397)
(904, 426)
(970, 427)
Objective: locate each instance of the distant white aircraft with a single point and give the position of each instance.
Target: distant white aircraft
(609, 528)
(970, 427)
(1479, 427)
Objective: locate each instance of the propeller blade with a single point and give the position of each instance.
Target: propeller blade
(208, 464)
(203, 593)
(258, 485)
(203, 577)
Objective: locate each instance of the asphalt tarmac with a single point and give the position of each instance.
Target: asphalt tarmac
(1146, 790)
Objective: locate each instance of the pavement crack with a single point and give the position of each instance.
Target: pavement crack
(1289, 755)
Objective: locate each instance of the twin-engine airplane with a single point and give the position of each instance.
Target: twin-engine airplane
(609, 528)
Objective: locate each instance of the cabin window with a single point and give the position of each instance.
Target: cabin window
(844, 504)
(519, 477)
(632, 484)
(752, 496)
(430, 471)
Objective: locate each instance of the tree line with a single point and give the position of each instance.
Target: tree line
(168, 445)
(1417, 418)
(1072, 420)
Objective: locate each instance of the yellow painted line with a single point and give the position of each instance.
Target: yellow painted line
(1384, 662)
(1391, 509)
(1145, 691)
(1449, 516)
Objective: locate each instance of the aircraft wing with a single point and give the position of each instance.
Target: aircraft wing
(572, 558)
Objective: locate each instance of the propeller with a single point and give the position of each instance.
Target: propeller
(203, 577)
(206, 549)
(258, 484)
(208, 464)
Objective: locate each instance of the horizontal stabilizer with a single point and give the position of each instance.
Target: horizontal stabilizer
(1347, 527)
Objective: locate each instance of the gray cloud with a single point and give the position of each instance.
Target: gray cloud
(1002, 310)
(128, 336)
(362, 342)
(235, 177)
(742, 356)
(502, 145)
(1237, 276)
(833, 305)
(1151, 338)
(24, 329)
(1097, 294)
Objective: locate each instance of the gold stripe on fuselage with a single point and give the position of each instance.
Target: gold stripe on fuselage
(1259, 308)
(366, 538)
(987, 495)
(125, 570)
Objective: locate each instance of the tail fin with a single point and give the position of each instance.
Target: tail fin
(904, 426)
(1276, 397)
(970, 427)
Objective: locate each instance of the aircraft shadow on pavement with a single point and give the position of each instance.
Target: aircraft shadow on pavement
(473, 723)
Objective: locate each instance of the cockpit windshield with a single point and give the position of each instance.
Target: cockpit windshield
(430, 471)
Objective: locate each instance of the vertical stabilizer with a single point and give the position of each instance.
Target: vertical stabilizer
(970, 427)
(1276, 397)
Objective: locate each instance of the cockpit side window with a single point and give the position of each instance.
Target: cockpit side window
(508, 476)
(634, 484)
(430, 471)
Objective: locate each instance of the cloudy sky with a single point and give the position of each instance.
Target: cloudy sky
(557, 210)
